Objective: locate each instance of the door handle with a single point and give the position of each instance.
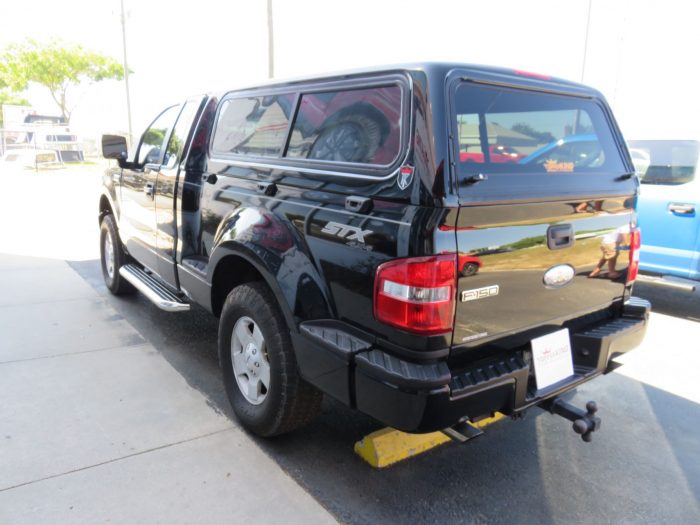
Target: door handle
(358, 204)
(148, 189)
(682, 209)
(560, 236)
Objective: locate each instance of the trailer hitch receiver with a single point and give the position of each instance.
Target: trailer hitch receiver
(584, 423)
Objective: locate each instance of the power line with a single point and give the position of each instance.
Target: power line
(585, 43)
(270, 42)
(126, 70)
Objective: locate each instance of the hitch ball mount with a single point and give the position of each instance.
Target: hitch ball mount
(584, 423)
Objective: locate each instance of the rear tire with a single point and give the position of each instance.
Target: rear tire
(113, 257)
(470, 269)
(258, 364)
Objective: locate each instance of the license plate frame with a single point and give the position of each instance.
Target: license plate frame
(552, 358)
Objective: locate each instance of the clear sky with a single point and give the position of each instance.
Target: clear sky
(640, 54)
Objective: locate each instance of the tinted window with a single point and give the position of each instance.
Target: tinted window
(509, 131)
(360, 126)
(151, 147)
(665, 161)
(253, 126)
(178, 138)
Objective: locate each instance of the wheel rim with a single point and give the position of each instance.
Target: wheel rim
(109, 255)
(249, 360)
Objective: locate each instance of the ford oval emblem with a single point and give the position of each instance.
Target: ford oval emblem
(558, 276)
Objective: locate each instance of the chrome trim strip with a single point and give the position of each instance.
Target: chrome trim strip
(406, 135)
(313, 171)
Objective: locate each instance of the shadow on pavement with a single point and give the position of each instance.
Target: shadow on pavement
(671, 301)
(534, 470)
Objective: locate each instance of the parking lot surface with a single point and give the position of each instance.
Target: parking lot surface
(643, 466)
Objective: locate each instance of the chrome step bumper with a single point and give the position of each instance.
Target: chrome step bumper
(153, 289)
(669, 281)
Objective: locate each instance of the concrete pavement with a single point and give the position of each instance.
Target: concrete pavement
(115, 411)
(96, 426)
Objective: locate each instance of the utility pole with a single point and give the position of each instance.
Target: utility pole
(126, 70)
(585, 43)
(270, 42)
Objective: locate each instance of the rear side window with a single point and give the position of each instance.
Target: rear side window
(666, 162)
(356, 126)
(503, 130)
(255, 126)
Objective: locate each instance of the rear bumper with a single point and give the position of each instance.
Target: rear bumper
(417, 397)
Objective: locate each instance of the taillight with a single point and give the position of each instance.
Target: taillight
(417, 294)
(635, 244)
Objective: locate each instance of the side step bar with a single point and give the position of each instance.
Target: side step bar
(154, 290)
(670, 282)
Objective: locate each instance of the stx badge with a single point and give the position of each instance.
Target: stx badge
(349, 233)
(479, 293)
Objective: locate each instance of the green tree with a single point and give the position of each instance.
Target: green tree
(9, 98)
(57, 66)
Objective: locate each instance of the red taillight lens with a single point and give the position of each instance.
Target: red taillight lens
(635, 244)
(417, 294)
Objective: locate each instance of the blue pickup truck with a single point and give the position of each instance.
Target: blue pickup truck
(669, 206)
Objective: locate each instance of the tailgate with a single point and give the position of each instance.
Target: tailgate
(511, 279)
(546, 197)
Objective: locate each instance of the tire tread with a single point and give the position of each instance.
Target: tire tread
(299, 402)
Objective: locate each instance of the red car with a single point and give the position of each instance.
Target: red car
(468, 265)
(498, 153)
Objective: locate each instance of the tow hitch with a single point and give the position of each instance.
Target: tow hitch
(585, 423)
(462, 432)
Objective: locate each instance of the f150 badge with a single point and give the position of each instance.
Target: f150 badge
(349, 233)
(479, 293)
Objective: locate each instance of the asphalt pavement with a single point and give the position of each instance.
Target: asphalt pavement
(643, 466)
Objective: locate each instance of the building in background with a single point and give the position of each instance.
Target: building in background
(32, 138)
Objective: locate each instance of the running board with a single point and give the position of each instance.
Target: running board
(153, 289)
(669, 281)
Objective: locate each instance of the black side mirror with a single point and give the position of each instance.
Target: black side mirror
(114, 147)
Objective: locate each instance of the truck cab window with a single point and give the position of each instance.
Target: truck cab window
(178, 137)
(151, 146)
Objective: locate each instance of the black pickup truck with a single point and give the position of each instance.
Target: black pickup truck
(429, 244)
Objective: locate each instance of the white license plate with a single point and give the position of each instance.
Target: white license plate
(551, 355)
